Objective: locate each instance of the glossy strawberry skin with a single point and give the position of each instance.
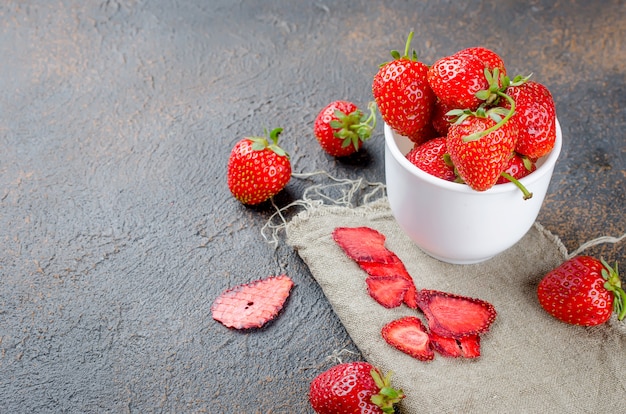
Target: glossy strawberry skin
(574, 292)
(344, 388)
(429, 157)
(455, 80)
(490, 59)
(404, 98)
(536, 115)
(440, 120)
(253, 175)
(517, 168)
(480, 162)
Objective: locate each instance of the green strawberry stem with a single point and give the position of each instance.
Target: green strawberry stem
(269, 141)
(490, 95)
(613, 284)
(387, 396)
(527, 194)
(354, 127)
(407, 50)
(478, 135)
(407, 46)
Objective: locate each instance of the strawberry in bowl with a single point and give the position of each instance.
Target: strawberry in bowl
(497, 139)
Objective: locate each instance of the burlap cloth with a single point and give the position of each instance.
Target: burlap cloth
(529, 363)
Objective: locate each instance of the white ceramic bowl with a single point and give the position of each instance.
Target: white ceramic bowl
(452, 222)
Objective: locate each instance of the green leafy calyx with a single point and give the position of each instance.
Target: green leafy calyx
(408, 53)
(269, 141)
(387, 396)
(613, 284)
(354, 127)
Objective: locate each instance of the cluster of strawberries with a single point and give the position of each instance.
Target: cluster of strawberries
(469, 121)
(258, 168)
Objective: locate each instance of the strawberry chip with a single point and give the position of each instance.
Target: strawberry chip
(253, 304)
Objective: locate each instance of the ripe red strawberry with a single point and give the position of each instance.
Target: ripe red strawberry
(258, 168)
(430, 157)
(253, 304)
(519, 166)
(455, 316)
(490, 59)
(388, 291)
(353, 387)
(535, 113)
(478, 151)
(341, 128)
(467, 346)
(424, 134)
(583, 291)
(456, 79)
(366, 246)
(441, 120)
(401, 91)
(409, 335)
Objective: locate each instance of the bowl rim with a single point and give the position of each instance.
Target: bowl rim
(544, 166)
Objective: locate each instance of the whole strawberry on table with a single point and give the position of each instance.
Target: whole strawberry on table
(583, 291)
(353, 387)
(258, 168)
(341, 127)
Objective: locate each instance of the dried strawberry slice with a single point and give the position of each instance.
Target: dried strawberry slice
(393, 269)
(410, 297)
(409, 335)
(363, 244)
(388, 291)
(366, 246)
(468, 346)
(446, 346)
(385, 269)
(455, 316)
(253, 304)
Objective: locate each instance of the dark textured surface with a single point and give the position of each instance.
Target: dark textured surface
(118, 230)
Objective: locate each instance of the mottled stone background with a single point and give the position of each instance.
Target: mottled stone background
(117, 229)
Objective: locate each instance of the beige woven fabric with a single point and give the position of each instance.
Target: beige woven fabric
(529, 362)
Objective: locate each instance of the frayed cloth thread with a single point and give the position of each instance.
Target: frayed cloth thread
(340, 192)
(596, 242)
